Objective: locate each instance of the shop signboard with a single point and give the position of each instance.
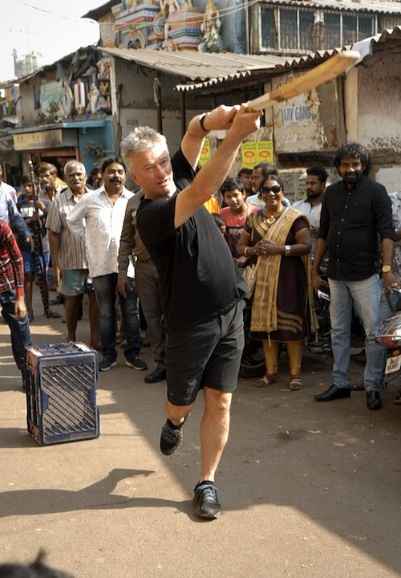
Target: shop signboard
(38, 140)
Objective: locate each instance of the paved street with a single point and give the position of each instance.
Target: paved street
(309, 491)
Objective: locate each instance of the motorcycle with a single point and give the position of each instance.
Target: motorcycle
(390, 336)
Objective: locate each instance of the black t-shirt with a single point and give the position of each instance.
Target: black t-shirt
(198, 276)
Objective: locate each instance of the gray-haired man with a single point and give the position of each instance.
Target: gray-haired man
(69, 254)
(202, 293)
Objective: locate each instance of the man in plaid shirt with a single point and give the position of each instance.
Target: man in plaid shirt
(12, 295)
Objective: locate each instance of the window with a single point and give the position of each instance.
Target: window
(388, 21)
(293, 29)
(332, 24)
(269, 29)
(288, 29)
(350, 29)
(366, 26)
(306, 21)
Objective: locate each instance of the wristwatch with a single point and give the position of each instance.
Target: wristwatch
(287, 250)
(386, 269)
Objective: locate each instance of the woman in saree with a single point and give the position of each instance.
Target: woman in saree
(277, 239)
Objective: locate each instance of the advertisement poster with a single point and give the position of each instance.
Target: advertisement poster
(206, 152)
(265, 151)
(255, 152)
(249, 154)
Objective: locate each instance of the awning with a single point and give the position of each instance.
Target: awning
(51, 135)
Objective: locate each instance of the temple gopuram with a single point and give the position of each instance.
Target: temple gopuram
(164, 24)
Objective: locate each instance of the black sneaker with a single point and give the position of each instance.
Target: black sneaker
(136, 362)
(206, 502)
(107, 364)
(157, 375)
(170, 438)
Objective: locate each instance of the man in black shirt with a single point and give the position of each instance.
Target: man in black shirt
(202, 291)
(356, 213)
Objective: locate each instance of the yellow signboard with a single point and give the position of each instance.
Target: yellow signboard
(206, 152)
(255, 152)
(265, 151)
(249, 154)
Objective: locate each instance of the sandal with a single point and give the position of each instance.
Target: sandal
(268, 379)
(295, 384)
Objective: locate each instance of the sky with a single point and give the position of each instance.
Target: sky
(51, 27)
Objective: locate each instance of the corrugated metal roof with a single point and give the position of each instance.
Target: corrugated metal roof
(197, 66)
(380, 6)
(284, 64)
(365, 47)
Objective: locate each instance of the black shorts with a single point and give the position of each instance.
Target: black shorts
(206, 354)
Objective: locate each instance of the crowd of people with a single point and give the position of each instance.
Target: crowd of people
(186, 251)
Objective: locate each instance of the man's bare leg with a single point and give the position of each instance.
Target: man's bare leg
(72, 309)
(215, 427)
(172, 434)
(177, 413)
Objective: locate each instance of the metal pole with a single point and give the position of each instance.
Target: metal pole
(157, 96)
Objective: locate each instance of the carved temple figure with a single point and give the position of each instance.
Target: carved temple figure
(210, 29)
(93, 97)
(168, 7)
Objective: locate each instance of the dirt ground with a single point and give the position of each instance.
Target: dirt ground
(309, 490)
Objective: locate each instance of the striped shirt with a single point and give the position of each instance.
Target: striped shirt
(11, 263)
(72, 244)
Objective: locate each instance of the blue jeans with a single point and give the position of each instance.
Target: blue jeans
(106, 296)
(36, 264)
(19, 329)
(365, 295)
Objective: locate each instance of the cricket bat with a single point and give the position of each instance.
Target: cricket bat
(328, 70)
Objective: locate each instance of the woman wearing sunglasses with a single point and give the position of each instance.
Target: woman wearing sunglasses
(278, 240)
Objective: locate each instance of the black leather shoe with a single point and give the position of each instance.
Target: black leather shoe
(374, 400)
(157, 375)
(333, 393)
(206, 502)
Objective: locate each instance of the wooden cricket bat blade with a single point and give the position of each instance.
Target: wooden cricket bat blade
(325, 72)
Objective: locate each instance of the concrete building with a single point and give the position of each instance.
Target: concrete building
(66, 112)
(283, 27)
(25, 64)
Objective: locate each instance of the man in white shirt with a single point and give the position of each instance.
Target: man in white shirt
(5, 188)
(316, 178)
(103, 212)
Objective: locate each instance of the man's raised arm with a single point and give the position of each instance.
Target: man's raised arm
(240, 123)
(220, 118)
